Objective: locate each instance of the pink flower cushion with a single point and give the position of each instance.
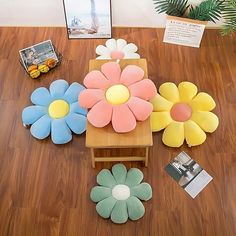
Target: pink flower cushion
(119, 97)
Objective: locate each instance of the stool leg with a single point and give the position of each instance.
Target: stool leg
(92, 157)
(146, 156)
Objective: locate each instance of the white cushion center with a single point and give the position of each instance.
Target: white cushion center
(121, 192)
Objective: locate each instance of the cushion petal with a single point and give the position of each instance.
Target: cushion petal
(102, 50)
(170, 92)
(142, 191)
(100, 114)
(203, 102)
(41, 97)
(104, 57)
(112, 71)
(144, 89)
(161, 104)
(31, 114)
(99, 193)
(96, 80)
(111, 44)
(58, 88)
(187, 91)
(140, 108)
(208, 121)
(119, 214)
(72, 93)
(104, 207)
(123, 119)
(89, 97)
(119, 172)
(131, 74)
(135, 207)
(61, 133)
(173, 135)
(75, 108)
(130, 48)
(76, 122)
(106, 179)
(160, 120)
(121, 43)
(193, 133)
(131, 55)
(134, 177)
(41, 128)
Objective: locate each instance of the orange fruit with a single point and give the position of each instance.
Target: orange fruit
(34, 73)
(32, 67)
(51, 62)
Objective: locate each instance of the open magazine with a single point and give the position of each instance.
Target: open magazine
(189, 175)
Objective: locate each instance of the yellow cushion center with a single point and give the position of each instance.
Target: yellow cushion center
(117, 94)
(58, 109)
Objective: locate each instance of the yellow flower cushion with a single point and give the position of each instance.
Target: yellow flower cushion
(183, 114)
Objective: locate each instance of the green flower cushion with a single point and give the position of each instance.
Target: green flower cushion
(119, 194)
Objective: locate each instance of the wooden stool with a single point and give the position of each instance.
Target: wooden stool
(107, 138)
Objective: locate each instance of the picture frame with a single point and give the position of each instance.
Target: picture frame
(90, 19)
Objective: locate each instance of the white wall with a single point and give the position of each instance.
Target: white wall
(51, 13)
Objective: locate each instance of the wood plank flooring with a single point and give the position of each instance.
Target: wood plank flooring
(44, 188)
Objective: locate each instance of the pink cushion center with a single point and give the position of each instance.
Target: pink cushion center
(117, 55)
(181, 112)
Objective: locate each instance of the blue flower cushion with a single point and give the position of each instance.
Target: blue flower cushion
(56, 111)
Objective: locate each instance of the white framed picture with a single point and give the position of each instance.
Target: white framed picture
(88, 18)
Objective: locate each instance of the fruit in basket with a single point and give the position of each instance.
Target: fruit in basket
(43, 68)
(35, 73)
(32, 67)
(51, 62)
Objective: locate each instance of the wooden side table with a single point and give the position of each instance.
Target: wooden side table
(107, 138)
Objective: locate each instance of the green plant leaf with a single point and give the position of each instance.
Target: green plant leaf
(228, 28)
(171, 7)
(209, 10)
(229, 15)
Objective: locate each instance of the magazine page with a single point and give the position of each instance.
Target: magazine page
(188, 174)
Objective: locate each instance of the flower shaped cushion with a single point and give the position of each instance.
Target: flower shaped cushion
(116, 96)
(184, 114)
(56, 111)
(119, 194)
(117, 49)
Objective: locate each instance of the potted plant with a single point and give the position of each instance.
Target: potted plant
(186, 21)
(208, 10)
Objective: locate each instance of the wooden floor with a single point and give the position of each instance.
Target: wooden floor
(44, 188)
